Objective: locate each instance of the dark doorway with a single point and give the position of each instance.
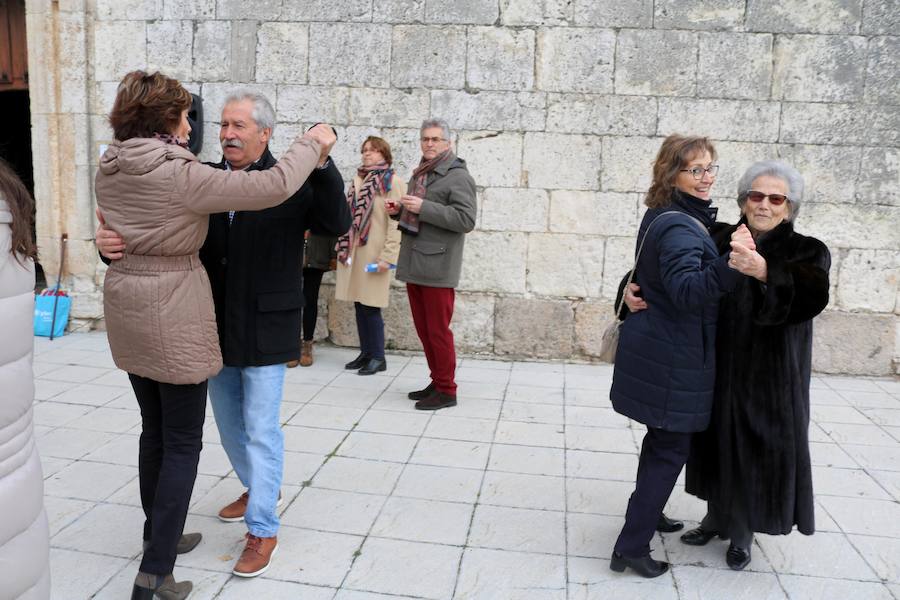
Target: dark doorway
(15, 135)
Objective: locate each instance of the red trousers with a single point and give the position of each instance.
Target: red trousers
(432, 309)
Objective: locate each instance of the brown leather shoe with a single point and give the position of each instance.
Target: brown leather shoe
(256, 557)
(235, 511)
(306, 354)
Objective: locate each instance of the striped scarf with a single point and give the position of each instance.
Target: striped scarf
(376, 182)
(409, 221)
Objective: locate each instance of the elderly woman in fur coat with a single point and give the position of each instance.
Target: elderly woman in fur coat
(752, 464)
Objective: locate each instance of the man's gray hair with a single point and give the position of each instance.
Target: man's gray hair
(779, 170)
(263, 113)
(431, 123)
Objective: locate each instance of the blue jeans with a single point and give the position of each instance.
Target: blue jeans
(246, 403)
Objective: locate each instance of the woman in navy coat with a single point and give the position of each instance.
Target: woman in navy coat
(665, 364)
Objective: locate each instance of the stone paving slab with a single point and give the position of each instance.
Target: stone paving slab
(518, 493)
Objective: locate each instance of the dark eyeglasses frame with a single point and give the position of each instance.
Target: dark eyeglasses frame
(774, 199)
(698, 172)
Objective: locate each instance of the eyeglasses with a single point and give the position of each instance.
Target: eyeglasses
(431, 140)
(774, 199)
(698, 172)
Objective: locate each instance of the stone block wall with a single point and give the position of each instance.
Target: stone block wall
(559, 106)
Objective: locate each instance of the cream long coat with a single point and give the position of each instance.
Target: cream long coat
(353, 283)
(24, 540)
(158, 304)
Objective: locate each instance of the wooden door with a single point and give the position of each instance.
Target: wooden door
(13, 49)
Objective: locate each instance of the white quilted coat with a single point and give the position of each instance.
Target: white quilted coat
(24, 543)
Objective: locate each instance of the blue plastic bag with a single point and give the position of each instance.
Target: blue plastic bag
(43, 313)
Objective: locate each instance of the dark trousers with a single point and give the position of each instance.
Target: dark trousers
(663, 454)
(171, 438)
(370, 326)
(732, 521)
(312, 279)
(432, 309)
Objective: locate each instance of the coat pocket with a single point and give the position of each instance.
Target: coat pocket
(428, 260)
(278, 322)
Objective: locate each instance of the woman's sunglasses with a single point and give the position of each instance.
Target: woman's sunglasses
(774, 199)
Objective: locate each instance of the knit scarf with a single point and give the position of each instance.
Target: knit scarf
(409, 221)
(376, 182)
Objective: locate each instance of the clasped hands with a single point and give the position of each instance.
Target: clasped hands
(411, 203)
(744, 258)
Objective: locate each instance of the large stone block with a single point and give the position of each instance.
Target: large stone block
(72, 63)
(313, 104)
(591, 319)
(428, 56)
(883, 125)
(565, 265)
(500, 59)
(212, 50)
(281, 52)
(493, 159)
(853, 344)
(618, 259)
(189, 9)
(593, 213)
(601, 115)
(119, 47)
(819, 68)
(494, 262)
(530, 327)
(699, 14)
(853, 225)
(735, 65)
(869, 280)
(399, 331)
(657, 63)
(398, 11)
(879, 177)
(350, 54)
(738, 120)
(388, 107)
(241, 9)
(490, 110)
(472, 12)
(881, 16)
(514, 209)
(576, 60)
(535, 12)
(816, 123)
(128, 10)
(800, 16)
(243, 50)
(628, 13)
(628, 163)
(168, 57)
(324, 11)
(560, 161)
(473, 323)
(829, 174)
(734, 159)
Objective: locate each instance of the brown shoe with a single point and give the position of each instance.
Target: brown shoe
(306, 354)
(235, 511)
(291, 364)
(256, 557)
(436, 401)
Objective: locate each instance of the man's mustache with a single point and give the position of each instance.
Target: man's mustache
(232, 144)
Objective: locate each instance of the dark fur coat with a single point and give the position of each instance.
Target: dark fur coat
(757, 444)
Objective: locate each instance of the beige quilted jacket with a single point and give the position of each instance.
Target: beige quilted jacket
(24, 544)
(157, 300)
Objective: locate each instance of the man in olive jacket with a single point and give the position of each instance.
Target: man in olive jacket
(439, 210)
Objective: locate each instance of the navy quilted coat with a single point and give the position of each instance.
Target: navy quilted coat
(665, 364)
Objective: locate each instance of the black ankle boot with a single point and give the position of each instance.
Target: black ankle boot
(357, 363)
(159, 587)
(645, 566)
(737, 558)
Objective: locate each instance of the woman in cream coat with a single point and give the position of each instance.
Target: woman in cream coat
(24, 544)
(373, 239)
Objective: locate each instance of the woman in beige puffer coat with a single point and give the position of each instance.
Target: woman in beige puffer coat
(24, 543)
(157, 299)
